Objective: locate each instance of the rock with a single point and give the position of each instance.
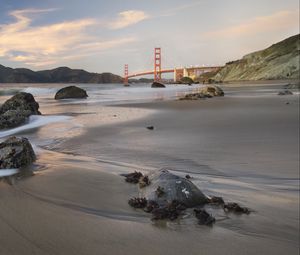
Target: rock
(70, 92)
(186, 80)
(285, 92)
(235, 208)
(204, 218)
(208, 91)
(172, 187)
(216, 200)
(169, 211)
(150, 127)
(144, 181)
(157, 85)
(13, 118)
(21, 101)
(212, 90)
(137, 202)
(16, 153)
(133, 177)
(16, 110)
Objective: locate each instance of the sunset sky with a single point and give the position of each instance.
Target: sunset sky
(101, 36)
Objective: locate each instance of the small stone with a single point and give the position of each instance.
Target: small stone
(235, 208)
(204, 218)
(150, 127)
(133, 177)
(137, 202)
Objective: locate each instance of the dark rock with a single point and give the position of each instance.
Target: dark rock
(157, 85)
(235, 208)
(169, 211)
(216, 200)
(205, 92)
(188, 176)
(16, 153)
(13, 118)
(144, 181)
(285, 92)
(137, 202)
(174, 188)
(204, 218)
(186, 80)
(151, 205)
(150, 127)
(133, 177)
(21, 102)
(71, 92)
(16, 110)
(212, 90)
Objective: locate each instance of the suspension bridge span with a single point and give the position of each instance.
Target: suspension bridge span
(178, 72)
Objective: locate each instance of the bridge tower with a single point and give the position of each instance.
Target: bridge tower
(157, 64)
(126, 74)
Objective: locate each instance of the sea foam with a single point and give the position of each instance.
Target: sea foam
(34, 122)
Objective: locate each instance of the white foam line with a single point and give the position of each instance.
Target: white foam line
(34, 122)
(8, 172)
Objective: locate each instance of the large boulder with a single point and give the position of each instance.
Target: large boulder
(22, 101)
(16, 152)
(71, 92)
(165, 187)
(157, 85)
(16, 110)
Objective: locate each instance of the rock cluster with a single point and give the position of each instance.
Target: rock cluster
(205, 92)
(70, 92)
(16, 110)
(167, 196)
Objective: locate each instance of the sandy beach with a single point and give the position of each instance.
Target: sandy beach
(244, 148)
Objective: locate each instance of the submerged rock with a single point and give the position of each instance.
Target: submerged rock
(71, 92)
(16, 152)
(16, 110)
(157, 85)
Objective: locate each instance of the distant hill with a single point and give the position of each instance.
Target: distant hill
(57, 75)
(279, 61)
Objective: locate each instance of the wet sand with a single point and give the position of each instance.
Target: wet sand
(244, 149)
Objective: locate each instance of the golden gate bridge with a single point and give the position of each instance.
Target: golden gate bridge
(180, 72)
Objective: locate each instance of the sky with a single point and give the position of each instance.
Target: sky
(103, 36)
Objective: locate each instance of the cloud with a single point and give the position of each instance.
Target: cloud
(49, 44)
(175, 10)
(279, 21)
(128, 18)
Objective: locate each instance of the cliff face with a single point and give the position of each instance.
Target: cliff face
(58, 75)
(280, 61)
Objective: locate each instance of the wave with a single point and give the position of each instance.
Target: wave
(34, 122)
(8, 92)
(40, 91)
